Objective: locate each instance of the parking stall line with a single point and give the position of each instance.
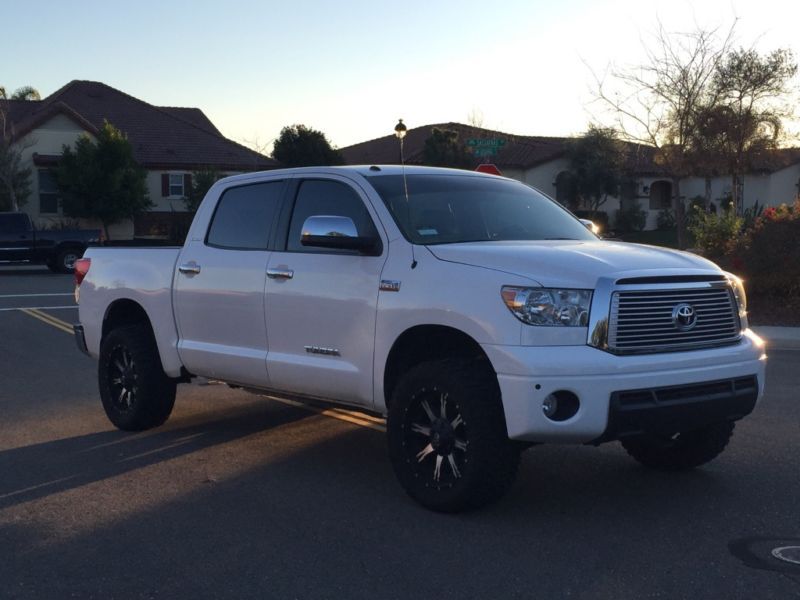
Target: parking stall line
(10, 308)
(33, 295)
(49, 319)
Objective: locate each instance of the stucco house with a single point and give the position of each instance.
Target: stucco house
(168, 142)
(543, 163)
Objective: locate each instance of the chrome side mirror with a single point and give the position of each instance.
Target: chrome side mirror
(329, 226)
(337, 232)
(591, 226)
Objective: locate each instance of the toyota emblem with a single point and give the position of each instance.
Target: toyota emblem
(684, 317)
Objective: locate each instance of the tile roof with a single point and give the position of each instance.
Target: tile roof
(162, 137)
(520, 151)
(524, 151)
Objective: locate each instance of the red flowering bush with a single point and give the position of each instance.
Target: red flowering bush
(768, 257)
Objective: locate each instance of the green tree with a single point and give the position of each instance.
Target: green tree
(15, 179)
(755, 93)
(202, 181)
(101, 180)
(443, 149)
(301, 146)
(596, 163)
(26, 92)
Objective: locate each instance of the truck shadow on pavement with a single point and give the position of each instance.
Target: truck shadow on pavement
(38, 470)
(328, 520)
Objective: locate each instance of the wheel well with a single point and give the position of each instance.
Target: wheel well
(424, 343)
(125, 312)
(70, 246)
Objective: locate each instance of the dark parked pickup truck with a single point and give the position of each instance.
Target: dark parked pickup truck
(21, 242)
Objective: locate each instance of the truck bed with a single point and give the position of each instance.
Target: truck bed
(142, 275)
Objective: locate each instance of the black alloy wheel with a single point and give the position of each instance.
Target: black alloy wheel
(447, 435)
(435, 441)
(135, 391)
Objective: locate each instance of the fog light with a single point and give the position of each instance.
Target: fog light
(560, 405)
(550, 406)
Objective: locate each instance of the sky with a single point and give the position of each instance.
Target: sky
(352, 68)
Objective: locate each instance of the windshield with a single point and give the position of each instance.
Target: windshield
(447, 209)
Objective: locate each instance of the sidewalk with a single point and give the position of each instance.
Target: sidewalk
(779, 337)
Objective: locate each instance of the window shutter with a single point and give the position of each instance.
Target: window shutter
(187, 184)
(164, 185)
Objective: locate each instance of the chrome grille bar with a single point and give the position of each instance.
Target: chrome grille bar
(641, 320)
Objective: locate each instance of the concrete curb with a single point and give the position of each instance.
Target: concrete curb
(779, 337)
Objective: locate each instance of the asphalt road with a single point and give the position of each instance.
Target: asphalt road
(242, 497)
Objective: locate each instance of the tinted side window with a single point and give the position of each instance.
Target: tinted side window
(244, 216)
(14, 223)
(330, 198)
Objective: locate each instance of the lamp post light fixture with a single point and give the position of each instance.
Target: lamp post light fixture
(400, 129)
(400, 132)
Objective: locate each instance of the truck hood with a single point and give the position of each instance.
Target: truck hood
(572, 263)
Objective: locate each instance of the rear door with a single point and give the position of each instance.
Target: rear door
(16, 237)
(219, 287)
(321, 303)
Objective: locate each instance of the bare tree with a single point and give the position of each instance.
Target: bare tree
(655, 103)
(475, 118)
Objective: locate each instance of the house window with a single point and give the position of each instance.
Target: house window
(175, 184)
(48, 193)
(566, 193)
(660, 195)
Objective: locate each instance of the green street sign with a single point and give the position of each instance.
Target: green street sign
(486, 142)
(484, 151)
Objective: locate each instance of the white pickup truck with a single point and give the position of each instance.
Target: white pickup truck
(478, 315)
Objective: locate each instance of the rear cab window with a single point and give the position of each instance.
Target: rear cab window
(245, 215)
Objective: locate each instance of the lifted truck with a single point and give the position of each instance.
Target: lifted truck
(478, 315)
(20, 241)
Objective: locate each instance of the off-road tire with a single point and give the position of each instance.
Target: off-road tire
(135, 391)
(485, 461)
(686, 450)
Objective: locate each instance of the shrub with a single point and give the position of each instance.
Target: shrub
(770, 255)
(716, 235)
(697, 206)
(630, 218)
(666, 219)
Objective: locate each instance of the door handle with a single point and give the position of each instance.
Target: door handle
(280, 273)
(189, 268)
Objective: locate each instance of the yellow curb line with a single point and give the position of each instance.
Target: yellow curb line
(49, 319)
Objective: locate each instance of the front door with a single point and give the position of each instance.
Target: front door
(321, 303)
(219, 287)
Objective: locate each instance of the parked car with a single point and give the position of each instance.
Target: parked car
(20, 241)
(476, 314)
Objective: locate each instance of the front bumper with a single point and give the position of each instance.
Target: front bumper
(528, 374)
(80, 338)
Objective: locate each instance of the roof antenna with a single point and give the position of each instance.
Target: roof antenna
(400, 131)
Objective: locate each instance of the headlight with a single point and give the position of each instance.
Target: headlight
(548, 307)
(741, 297)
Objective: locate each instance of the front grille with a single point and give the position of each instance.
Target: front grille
(642, 320)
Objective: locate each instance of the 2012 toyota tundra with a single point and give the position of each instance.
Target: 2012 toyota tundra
(474, 312)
